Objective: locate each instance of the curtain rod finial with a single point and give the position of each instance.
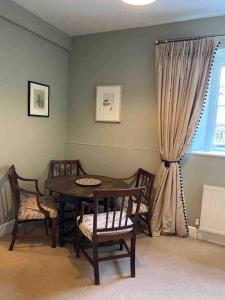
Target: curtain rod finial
(156, 42)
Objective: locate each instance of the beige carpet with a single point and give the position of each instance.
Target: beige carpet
(166, 268)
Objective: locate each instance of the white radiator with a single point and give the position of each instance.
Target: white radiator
(213, 210)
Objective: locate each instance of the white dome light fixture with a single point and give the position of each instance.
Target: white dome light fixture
(138, 2)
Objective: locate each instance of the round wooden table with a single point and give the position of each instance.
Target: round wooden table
(66, 185)
(69, 191)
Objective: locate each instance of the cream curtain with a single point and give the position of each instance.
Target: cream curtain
(182, 74)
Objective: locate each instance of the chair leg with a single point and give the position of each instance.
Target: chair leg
(121, 245)
(96, 263)
(61, 221)
(149, 228)
(13, 229)
(14, 234)
(54, 232)
(78, 243)
(50, 223)
(138, 222)
(148, 223)
(132, 256)
(46, 226)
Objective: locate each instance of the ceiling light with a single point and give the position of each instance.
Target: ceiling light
(138, 2)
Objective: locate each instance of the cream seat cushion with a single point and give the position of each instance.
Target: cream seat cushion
(29, 209)
(143, 208)
(86, 227)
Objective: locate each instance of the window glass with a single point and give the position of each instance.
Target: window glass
(210, 135)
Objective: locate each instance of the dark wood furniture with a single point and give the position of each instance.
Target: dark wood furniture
(35, 207)
(146, 179)
(66, 168)
(70, 192)
(115, 225)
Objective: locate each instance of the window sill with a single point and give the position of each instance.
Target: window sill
(209, 153)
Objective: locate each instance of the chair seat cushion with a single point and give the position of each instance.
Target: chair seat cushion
(29, 210)
(143, 208)
(86, 227)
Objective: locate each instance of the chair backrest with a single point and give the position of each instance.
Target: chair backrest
(65, 168)
(13, 181)
(145, 178)
(117, 218)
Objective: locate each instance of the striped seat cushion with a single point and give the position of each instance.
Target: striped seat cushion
(86, 227)
(143, 208)
(29, 209)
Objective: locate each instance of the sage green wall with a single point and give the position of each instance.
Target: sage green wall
(126, 57)
(18, 15)
(29, 142)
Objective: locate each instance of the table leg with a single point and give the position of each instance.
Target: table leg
(61, 221)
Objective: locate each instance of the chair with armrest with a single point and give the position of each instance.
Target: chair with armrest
(114, 225)
(35, 207)
(145, 179)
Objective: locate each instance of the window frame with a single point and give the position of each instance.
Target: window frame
(213, 105)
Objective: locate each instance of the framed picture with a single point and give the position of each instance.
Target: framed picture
(108, 103)
(38, 99)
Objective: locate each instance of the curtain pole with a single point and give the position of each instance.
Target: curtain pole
(157, 42)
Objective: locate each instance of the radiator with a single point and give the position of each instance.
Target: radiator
(213, 210)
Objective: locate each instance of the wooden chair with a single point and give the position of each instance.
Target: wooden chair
(65, 168)
(35, 207)
(68, 206)
(146, 179)
(115, 225)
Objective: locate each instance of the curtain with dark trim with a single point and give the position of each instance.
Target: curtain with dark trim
(182, 74)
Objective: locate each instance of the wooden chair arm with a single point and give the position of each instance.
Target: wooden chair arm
(31, 180)
(81, 169)
(37, 194)
(83, 205)
(25, 179)
(27, 191)
(132, 178)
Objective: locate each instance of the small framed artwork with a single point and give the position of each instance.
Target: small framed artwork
(38, 99)
(108, 103)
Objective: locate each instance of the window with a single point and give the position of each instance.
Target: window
(219, 135)
(210, 135)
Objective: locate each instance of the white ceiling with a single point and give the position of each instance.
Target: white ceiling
(77, 17)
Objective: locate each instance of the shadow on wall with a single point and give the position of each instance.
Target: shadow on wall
(6, 203)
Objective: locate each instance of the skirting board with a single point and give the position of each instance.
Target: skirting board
(193, 232)
(196, 234)
(211, 237)
(6, 228)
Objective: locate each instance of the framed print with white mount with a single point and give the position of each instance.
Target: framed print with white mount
(108, 103)
(38, 99)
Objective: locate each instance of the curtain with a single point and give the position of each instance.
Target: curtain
(182, 75)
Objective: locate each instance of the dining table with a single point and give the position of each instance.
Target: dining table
(69, 191)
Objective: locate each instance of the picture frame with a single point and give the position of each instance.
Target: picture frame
(38, 99)
(108, 103)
